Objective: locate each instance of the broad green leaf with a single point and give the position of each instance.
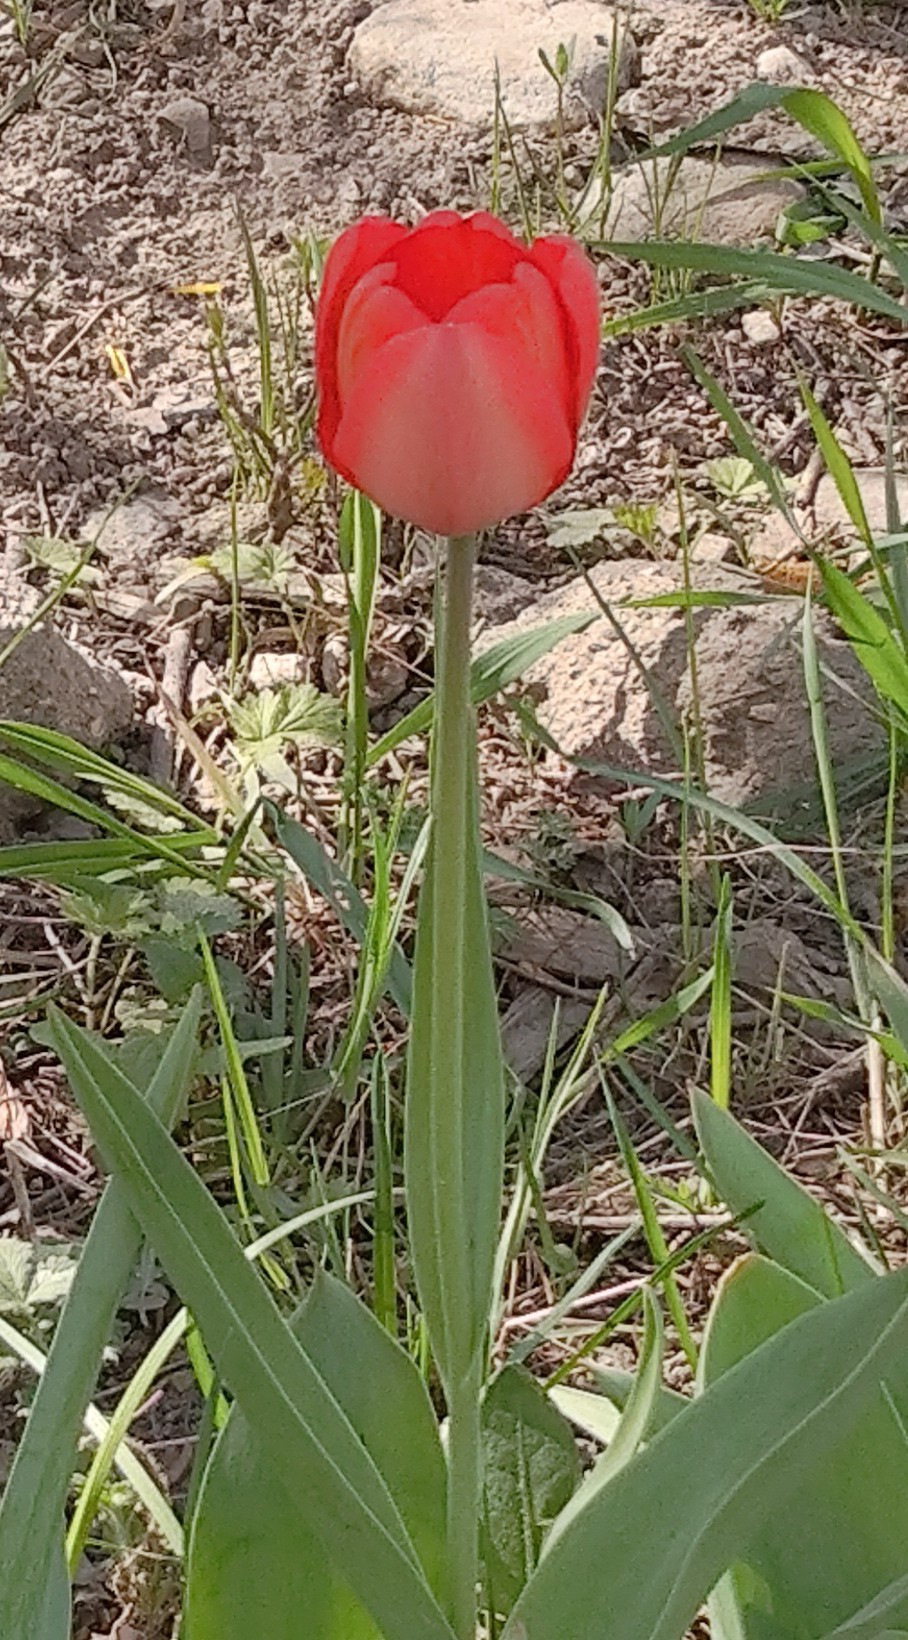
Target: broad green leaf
(531, 1471)
(892, 993)
(881, 656)
(807, 277)
(837, 1536)
(454, 1110)
(498, 667)
(641, 1558)
(32, 1506)
(310, 1443)
(253, 1569)
(864, 1625)
(787, 1224)
(598, 1412)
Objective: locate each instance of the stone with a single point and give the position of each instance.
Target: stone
(526, 1028)
(135, 531)
(729, 203)
(593, 699)
(270, 668)
(760, 328)
(48, 681)
(438, 57)
(498, 595)
(776, 538)
(191, 118)
(779, 65)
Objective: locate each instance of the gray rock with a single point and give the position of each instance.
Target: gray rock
(191, 118)
(726, 203)
(48, 681)
(137, 530)
(779, 65)
(438, 57)
(594, 701)
(776, 539)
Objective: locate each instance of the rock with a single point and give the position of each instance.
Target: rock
(203, 686)
(776, 538)
(760, 328)
(438, 57)
(135, 531)
(527, 1026)
(269, 669)
(192, 119)
(728, 203)
(564, 942)
(498, 595)
(779, 65)
(48, 681)
(594, 702)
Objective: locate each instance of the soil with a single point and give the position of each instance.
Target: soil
(137, 142)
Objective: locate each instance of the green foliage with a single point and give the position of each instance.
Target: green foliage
(838, 1537)
(531, 1469)
(251, 1570)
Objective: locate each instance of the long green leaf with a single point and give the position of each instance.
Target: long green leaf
(838, 1537)
(252, 1571)
(783, 273)
(813, 110)
(881, 656)
(32, 1507)
(342, 1498)
(641, 1558)
(787, 1224)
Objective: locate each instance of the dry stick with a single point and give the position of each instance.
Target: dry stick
(173, 687)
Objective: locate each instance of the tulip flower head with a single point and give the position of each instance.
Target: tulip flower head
(454, 366)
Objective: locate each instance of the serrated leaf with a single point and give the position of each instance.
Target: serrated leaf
(33, 1275)
(578, 526)
(294, 714)
(531, 1471)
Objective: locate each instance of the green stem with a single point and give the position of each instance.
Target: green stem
(453, 760)
(464, 1486)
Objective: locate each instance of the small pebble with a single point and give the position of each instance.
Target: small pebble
(760, 328)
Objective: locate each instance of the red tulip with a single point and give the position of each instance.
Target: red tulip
(454, 366)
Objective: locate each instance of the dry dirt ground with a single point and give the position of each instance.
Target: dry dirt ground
(135, 141)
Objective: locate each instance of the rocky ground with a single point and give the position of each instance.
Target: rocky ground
(140, 143)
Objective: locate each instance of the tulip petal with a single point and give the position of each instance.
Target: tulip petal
(374, 312)
(356, 251)
(453, 428)
(573, 279)
(442, 261)
(527, 314)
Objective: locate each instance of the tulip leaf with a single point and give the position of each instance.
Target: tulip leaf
(253, 1569)
(531, 1470)
(33, 1503)
(702, 1489)
(785, 1222)
(342, 1498)
(454, 1112)
(837, 1536)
